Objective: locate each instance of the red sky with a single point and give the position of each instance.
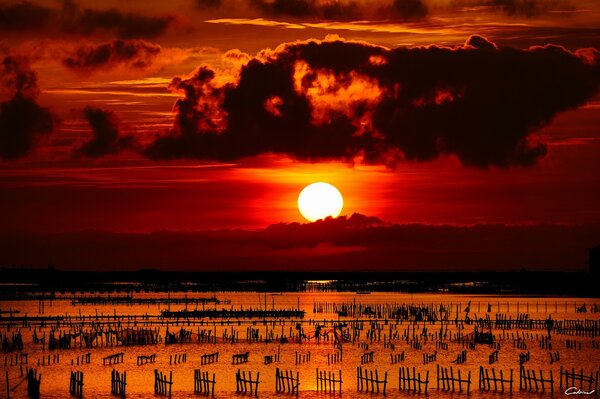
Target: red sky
(396, 103)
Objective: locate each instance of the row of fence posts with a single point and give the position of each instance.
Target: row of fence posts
(286, 383)
(240, 358)
(47, 360)
(76, 384)
(203, 384)
(366, 381)
(245, 384)
(429, 312)
(178, 358)
(334, 357)
(209, 358)
(274, 357)
(118, 383)
(143, 359)
(302, 357)
(326, 381)
(162, 384)
(16, 359)
(82, 359)
(113, 359)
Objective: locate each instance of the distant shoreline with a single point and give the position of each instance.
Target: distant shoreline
(17, 281)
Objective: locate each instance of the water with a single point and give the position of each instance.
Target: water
(140, 379)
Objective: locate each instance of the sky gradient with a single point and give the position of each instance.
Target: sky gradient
(179, 135)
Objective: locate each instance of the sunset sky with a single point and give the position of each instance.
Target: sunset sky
(465, 134)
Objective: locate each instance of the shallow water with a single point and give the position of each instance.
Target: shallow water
(140, 379)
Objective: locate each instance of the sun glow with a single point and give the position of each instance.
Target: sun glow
(320, 200)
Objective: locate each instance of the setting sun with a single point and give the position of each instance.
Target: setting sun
(320, 200)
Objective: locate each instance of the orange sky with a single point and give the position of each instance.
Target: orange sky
(116, 62)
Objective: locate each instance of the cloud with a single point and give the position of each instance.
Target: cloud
(72, 19)
(355, 243)
(209, 4)
(318, 10)
(136, 54)
(310, 9)
(407, 9)
(344, 100)
(379, 10)
(529, 8)
(106, 137)
(22, 120)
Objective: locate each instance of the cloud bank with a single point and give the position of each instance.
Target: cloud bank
(379, 10)
(73, 19)
(355, 243)
(346, 100)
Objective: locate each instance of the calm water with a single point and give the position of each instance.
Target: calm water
(55, 377)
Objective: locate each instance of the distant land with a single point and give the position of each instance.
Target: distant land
(24, 282)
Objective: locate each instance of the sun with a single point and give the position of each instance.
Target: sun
(320, 200)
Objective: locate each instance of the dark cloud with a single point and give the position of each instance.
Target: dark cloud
(24, 16)
(356, 243)
(529, 8)
(137, 54)
(382, 10)
(342, 10)
(341, 100)
(407, 9)
(106, 137)
(72, 19)
(209, 4)
(22, 120)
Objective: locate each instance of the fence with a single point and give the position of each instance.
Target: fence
(240, 358)
(242, 383)
(16, 359)
(367, 357)
(441, 345)
(397, 357)
(429, 358)
(302, 357)
(572, 379)
(209, 358)
(573, 344)
(274, 357)
(162, 385)
(49, 359)
(334, 357)
(326, 382)
(203, 384)
(76, 383)
(118, 383)
(178, 358)
(485, 381)
(145, 359)
(528, 380)
(365, 382)
(83, 359)
(413, 383)
(461, 357)
(524, 357)
(286, 382)
(448, 381)
(113, 359)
